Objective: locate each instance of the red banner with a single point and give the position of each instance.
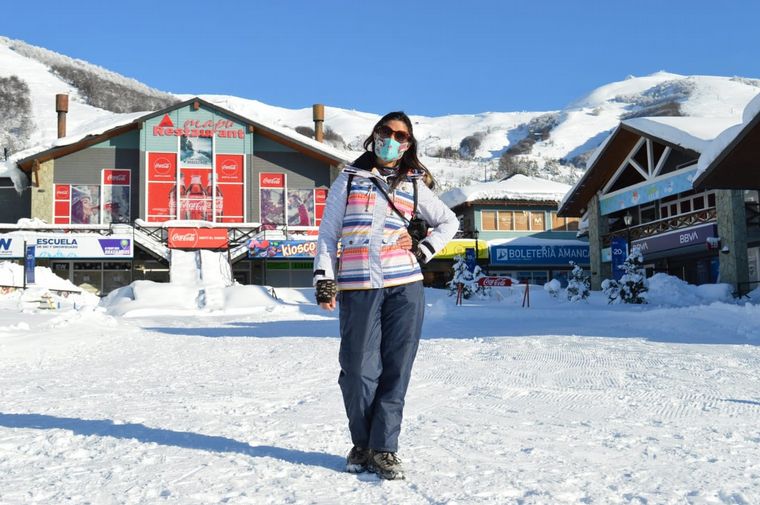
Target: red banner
(271, 180)
(162, 201)
(494, 281)
(229, 203)
(162, 167)
(229, 168)
(62, 204)
(198, 238)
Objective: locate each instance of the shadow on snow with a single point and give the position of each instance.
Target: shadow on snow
(160, 436)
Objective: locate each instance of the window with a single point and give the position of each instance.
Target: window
(537, 221)
(505, 220)
(710, 200)
(647, 214)
(564, 223)
(685, 206)
(699, 202)
(488, 220)
(521, 220)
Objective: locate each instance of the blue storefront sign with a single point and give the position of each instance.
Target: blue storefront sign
(696, 235)
(469, 258)
(29, 264)
(544, 255)
(619, 251)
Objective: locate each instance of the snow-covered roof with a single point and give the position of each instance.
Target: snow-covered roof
(516, 187)
(727, 137)
(104, 124)
(694, 133)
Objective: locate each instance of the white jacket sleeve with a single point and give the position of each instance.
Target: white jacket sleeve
(330, 229)
(442, 220)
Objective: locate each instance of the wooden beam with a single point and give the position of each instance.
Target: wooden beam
(661, 162)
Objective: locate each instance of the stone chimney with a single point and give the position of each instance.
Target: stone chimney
(62, 107)
(319, 120)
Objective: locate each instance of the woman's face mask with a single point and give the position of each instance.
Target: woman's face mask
(391, 144)
(389, 149)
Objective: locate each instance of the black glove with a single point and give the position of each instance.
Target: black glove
(326, 290)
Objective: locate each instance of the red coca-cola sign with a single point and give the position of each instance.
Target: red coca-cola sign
(62, 192)
(320, 196)
(116, 177)
(494, 281)
(271, 180)
(162, 166)
(198, 238)
(229, 168)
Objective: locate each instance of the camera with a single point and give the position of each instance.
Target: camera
(418, 230)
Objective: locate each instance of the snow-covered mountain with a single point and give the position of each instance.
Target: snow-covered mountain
(458, 148)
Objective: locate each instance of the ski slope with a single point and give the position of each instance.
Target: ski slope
(558, 403)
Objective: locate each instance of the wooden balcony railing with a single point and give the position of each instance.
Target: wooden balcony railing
(663, 225)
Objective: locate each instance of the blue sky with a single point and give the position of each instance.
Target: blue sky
(431, 57)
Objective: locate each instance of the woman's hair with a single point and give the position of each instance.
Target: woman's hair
(409, 160)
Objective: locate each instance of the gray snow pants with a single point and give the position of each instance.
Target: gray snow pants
(380, 332)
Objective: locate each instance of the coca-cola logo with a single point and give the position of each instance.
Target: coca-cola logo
(162, 166)
(62, 193)
(229, 167)
(117, 179)
(495, 281)
(271, 180)
(196, 204)
(185, 236)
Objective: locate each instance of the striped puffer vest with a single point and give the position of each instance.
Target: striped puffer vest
(369, 256)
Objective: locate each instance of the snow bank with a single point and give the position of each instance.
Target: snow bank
(148, 298)
(671, 291)
(44, 288)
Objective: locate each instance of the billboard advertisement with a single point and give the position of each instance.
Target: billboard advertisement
(229, 171)
(161, 187)
(116, 197)
(67, 245)
(198, 238)
(272, 198)
(85, 204)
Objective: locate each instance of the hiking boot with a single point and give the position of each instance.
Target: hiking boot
(358, 459)
(386, 465)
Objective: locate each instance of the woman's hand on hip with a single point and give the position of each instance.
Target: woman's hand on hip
(404, 240)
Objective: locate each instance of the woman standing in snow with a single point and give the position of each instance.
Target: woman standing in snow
(378, 283)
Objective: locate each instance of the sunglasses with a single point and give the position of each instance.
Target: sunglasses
(385, 131)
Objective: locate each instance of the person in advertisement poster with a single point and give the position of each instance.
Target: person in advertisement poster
(377, 285)
(300, 207)
(272, 206)
(115, 204)
(85, 204)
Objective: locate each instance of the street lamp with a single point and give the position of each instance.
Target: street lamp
(628, 219)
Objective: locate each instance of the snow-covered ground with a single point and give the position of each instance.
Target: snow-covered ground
(556, 403)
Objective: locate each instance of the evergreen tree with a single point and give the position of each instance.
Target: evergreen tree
(578, 285)
(469, 280)
(632, 287)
